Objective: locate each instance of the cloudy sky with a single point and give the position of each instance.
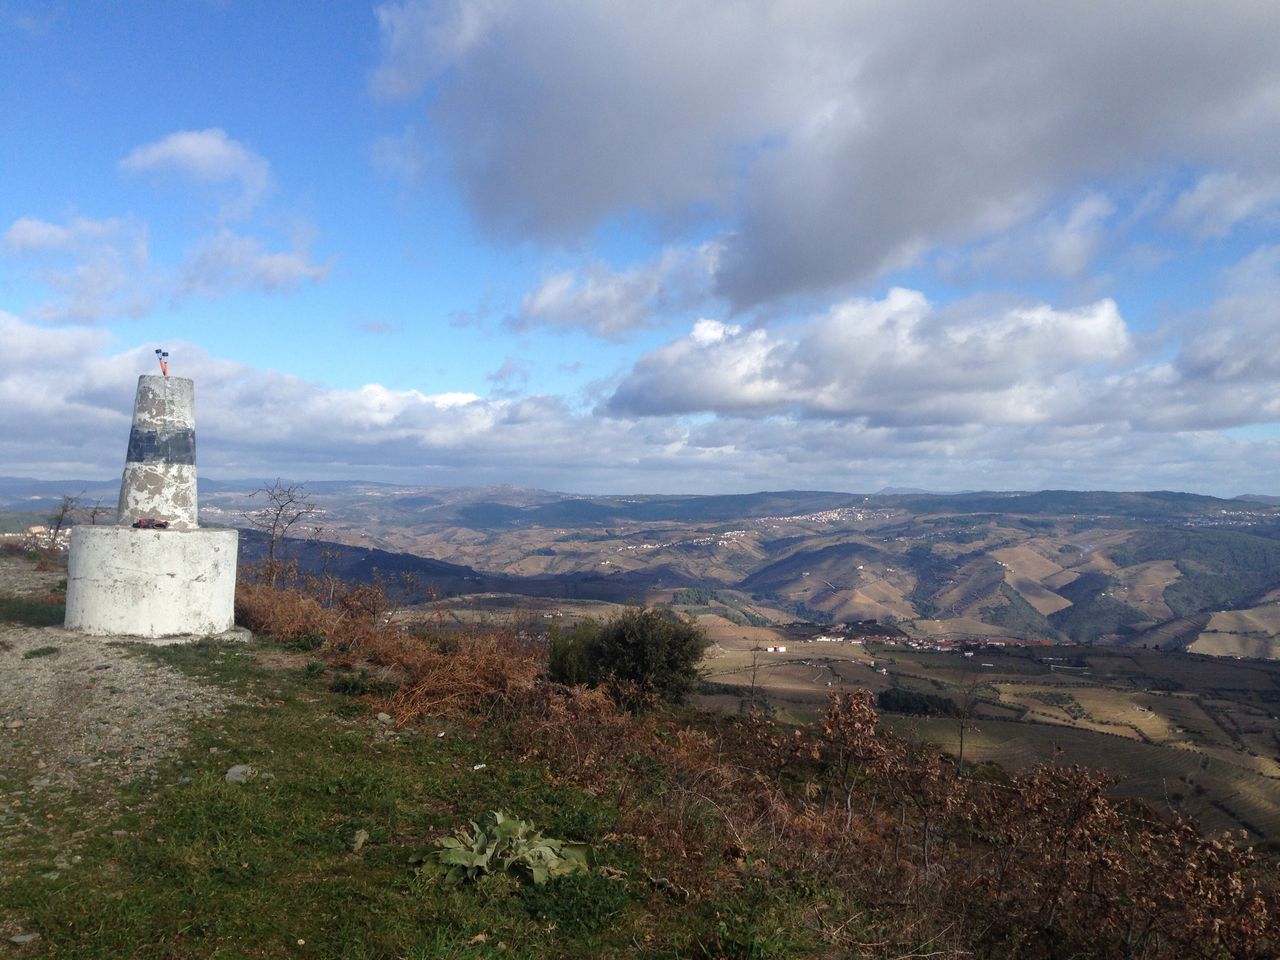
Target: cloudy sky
(649, 247)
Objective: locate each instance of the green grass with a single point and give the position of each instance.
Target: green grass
(194, 866)
(29, 612)
(45, 651)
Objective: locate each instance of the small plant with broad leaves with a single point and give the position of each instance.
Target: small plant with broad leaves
(503, 844)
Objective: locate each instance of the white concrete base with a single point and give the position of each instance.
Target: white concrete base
(151, 583)
(235, 635)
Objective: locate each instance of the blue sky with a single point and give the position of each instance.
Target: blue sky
(610, 247)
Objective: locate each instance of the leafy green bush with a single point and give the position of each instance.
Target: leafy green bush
(569, 659)
(350, 682)
(651, 649)
(500, 844)
(313, 640)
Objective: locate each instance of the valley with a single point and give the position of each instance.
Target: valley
(1134, 632)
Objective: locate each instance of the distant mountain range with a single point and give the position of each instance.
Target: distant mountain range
(1154, 568)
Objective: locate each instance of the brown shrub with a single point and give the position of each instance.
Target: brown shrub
(1047, 864)
(483, 673)
(285, 616)
(469, 672)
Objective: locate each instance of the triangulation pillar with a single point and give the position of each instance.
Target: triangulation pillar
(155, 574)
(159, 479)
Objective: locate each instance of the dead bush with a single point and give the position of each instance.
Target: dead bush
(486, 672)
(286, 616)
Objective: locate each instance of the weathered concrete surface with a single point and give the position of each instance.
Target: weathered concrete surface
(161, 491)
(159, 480)
(151, 583)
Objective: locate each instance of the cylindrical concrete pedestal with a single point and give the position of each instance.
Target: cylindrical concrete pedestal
(151, 583)
(159, 481)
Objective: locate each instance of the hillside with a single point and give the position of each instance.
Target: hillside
(1160, 569)
(1131, 569)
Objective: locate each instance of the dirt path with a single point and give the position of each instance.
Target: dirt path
(92, 713)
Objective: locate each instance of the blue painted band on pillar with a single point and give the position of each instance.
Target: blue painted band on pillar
(171, 446)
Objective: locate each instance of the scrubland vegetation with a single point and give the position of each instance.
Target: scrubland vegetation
(836, 838)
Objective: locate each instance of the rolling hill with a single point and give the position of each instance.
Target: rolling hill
(1156, 568)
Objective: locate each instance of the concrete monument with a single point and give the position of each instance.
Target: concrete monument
(155, 574)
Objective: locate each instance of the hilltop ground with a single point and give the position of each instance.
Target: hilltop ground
(77, 710)
(250, 800)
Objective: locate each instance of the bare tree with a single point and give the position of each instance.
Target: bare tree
(971, 694)
(285, 506)
(63, 516)
(97, 512)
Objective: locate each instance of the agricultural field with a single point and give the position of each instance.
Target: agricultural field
(1027, 571)
(1195, 733)
(1217, 794)
(1252, 632)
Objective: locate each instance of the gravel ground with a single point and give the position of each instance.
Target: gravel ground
(96, 711)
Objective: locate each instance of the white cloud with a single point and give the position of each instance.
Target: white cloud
(1228, 369)
(96, 269)
(1220, 201)
(29, 235)
(103, 269)
(420, 39)
(66, 394)
(896, 361)
(1061, 243)
(207, 156)
(230, 262)
(509, 372)
(612, 304)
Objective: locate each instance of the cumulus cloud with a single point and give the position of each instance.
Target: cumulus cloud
(66, 394)
(29, 235)
(101, 269)
(892, 362)
(57, 401)
(419, 38)
(207, 156)
(832, 140)
(1225, 373)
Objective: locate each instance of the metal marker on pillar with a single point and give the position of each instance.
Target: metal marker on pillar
(159, 481)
